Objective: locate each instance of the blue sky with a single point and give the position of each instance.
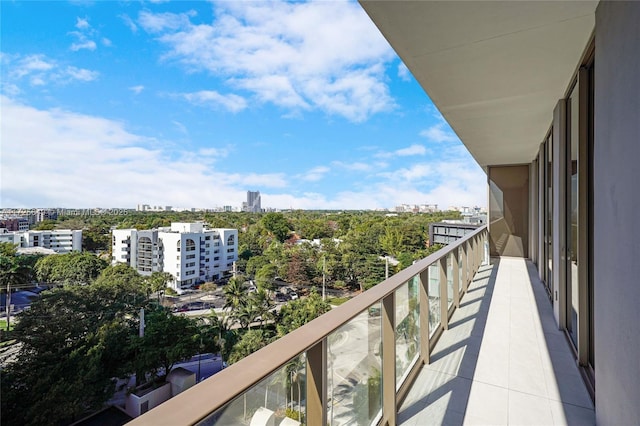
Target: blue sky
(191, 104)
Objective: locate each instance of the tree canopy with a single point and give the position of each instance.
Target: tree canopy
(70, 268)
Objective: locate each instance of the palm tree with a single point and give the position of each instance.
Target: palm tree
(262, 305)
(235, 296)
(245, 314)
(294, 373)
(156, 283)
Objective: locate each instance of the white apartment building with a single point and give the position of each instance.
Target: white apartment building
(59, 240)
(190, 252)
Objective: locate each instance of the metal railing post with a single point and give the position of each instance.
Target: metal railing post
(444, 299)
(480, 250)
(389, 360)
(424, 316)
(474, 244)
(465, 272)
(455, 265)
(317, 384)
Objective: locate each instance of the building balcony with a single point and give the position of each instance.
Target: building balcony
(453, 339)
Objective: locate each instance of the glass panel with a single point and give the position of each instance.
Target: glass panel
(434, 298)
(282, 394)
(354, 376)
(407, 328)
(449, 280)
(572, 226)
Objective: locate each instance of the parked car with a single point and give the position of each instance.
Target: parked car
(281, 297)
(293, 295)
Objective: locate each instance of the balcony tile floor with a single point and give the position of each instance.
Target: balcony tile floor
(502, 361)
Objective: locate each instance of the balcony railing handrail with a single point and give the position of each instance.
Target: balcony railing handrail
(199, 401)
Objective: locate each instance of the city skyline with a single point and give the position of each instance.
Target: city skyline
(191, 103)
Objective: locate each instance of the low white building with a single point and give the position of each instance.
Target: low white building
(58, 240)
(190, 252)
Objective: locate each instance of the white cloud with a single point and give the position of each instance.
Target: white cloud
(137, 89)
(211, 98)
(466, 187)
(129, 23)
(10, 89)
(158, 22)
(412, 173)
(60, 158)
(412, 150)
(82, 23)
(356, 167)
(454, 179)
(403, 72)
(325, 56)
(86, 36)
(81, 74)
(271, 180)
(212, 152)
(83, 40)
(439, 133)
(29, 65)
(183, 129)
(39, 70)
(315, 174)
(83, 44)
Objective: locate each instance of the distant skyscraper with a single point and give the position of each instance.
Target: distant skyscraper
(253, 202)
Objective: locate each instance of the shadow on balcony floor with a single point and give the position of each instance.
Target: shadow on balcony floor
(502, 361)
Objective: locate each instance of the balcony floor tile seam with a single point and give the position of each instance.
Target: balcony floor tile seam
(510, 276)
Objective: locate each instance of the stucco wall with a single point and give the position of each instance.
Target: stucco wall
(616, 206)
(155, 397)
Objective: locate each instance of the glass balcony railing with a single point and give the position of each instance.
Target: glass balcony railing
(334, 370)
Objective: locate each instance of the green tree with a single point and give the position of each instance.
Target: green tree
(208, 287)
(73, 342)
(297, 313)
(244, 315)
(96, 239)
(277, 225)
(370, 270)
(157, 283)
(45, 225)
(167, 339)
(314, 228)
(235, 299)
(70, 268)
(265, 276)
(255, 263)
(250, 342)
(262, 306)
(392, 241)
(14, 273)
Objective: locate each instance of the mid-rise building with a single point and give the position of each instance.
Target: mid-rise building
(59, 240)
(14, 223)
(190, 252)
(45, 214)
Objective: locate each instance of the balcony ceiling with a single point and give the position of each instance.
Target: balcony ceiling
(495, 70)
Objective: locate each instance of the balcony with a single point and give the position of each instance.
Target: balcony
(451, 339)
